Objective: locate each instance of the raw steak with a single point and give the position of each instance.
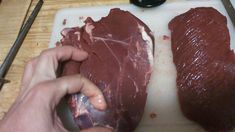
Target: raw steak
(205, 68)
(120, 49)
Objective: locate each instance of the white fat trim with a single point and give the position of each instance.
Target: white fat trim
(88, 28)
(79, 35)
(149, 42)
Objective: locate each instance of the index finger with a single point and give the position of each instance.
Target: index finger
(48, 61)
(63, 53)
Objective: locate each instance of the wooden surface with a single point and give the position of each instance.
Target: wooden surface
(12, 14)
(36, 40)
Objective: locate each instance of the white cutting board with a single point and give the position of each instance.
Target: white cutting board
(162, 97)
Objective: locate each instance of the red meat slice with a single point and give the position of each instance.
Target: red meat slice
(119, 63)
(205, 68)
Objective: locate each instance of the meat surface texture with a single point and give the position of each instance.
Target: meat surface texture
(205, 67)
(120, 49)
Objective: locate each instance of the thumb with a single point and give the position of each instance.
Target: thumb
(97, 129)
(58, 88)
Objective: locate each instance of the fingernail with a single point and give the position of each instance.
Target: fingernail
(101, 102)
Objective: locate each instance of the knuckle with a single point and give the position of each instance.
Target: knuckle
(81, 78)
(67, 47)
(37, 90)
(83, 82)
(46, 53)
(30, 63)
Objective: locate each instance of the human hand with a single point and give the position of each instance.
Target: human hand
(34, 108)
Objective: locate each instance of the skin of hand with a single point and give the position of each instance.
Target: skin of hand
(34, 108)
